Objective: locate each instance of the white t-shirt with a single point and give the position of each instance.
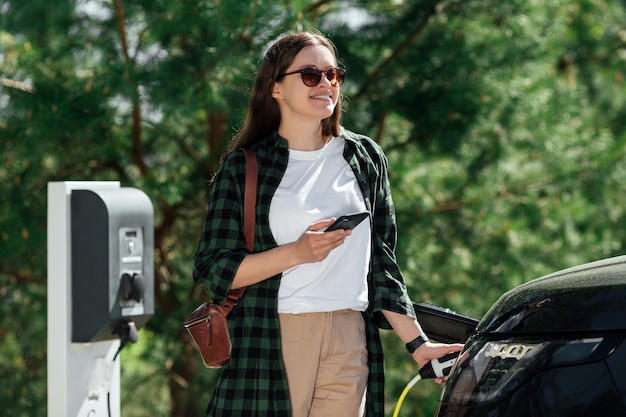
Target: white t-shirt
(318, 185)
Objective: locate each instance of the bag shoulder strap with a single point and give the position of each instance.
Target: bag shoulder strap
(249, 222)
(249, 208)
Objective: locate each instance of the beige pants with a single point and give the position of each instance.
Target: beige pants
(326, 362)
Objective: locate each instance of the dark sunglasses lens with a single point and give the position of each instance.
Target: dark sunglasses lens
(311, 77)
(336, 76)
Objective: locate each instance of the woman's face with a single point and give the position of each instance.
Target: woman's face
(298, 102)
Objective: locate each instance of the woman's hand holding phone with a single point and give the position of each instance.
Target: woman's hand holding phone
(316, 242)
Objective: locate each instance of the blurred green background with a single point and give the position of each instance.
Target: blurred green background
(504, 124)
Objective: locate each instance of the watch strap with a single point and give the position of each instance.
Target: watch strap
(414, 344)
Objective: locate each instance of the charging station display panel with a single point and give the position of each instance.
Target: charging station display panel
(112, 241)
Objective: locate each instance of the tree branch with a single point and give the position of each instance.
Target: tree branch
(370, 80)
(18, 85)
(137, 149)
(24, 276)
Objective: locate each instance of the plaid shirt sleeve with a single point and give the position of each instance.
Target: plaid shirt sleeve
(387, 286)
(221, 248)
(390, 292)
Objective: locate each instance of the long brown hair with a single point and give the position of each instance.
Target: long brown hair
(263, 113)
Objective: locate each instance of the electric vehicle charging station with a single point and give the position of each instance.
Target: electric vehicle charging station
(100, 291)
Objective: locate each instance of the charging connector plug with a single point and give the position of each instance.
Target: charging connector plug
(438, 368)
(127, 332)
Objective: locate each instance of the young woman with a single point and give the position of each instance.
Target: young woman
(306, 333)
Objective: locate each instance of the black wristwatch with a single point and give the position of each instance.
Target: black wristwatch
(415, 343)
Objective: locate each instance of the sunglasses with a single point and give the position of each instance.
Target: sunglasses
(312, 76)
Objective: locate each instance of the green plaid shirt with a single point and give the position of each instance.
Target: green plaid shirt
(254, 384)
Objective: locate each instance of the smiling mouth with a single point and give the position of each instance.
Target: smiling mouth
(328, 97)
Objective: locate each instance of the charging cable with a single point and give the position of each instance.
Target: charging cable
(405, 391)
(127, 332)
(433, 369)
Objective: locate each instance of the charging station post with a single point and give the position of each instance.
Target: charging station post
(100, 289)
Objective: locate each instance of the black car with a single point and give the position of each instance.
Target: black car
(555, 346)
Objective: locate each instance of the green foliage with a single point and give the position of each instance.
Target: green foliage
(504, 125)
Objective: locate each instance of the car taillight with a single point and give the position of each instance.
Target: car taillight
(490, 369)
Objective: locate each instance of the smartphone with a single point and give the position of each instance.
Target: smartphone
(348, 221)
